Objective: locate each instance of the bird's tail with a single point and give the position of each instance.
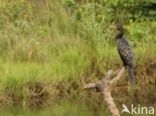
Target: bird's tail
(131, 76)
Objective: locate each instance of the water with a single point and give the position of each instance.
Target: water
(64, 108)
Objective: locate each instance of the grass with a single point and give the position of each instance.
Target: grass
(59, 41)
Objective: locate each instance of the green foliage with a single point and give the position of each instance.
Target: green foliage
(59, 40)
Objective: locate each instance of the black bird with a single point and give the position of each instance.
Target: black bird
(126, 53)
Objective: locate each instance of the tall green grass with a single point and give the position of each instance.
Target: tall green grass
(60, 40)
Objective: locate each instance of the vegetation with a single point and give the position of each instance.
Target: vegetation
(58, 45)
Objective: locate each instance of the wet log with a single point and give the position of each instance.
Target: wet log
(104, 86)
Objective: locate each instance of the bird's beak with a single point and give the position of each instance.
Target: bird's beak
(112, 26)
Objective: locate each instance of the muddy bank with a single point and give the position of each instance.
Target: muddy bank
(44, 94)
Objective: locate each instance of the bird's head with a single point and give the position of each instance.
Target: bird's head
(119, 29)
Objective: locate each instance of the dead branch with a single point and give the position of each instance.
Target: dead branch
(118, 76)
(104, 87)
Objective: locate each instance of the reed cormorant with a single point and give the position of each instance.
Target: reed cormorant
(126, 53)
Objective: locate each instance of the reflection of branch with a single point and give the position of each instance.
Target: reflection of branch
(104, 87)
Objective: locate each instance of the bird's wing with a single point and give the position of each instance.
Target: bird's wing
(127, 55)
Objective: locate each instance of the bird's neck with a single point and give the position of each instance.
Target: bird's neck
(119, 35)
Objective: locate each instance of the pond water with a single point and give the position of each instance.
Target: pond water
(64, 108)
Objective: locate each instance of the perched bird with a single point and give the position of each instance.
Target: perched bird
(126, 53)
